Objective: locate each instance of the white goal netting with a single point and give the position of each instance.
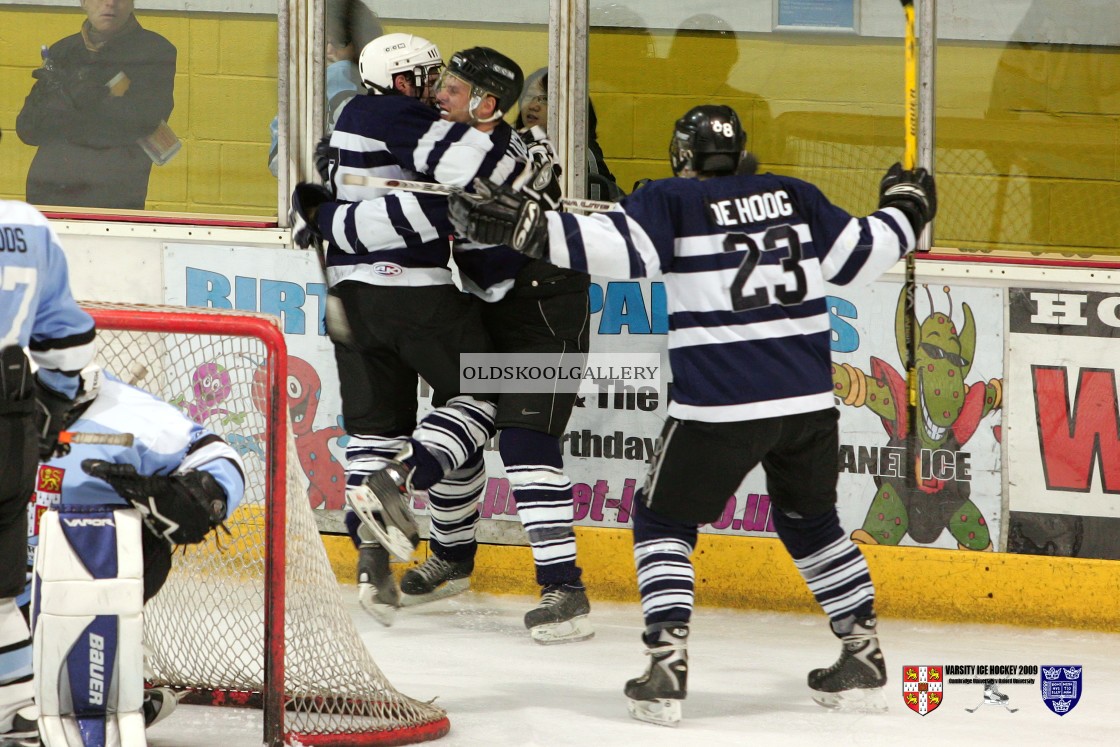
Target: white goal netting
(213, 630)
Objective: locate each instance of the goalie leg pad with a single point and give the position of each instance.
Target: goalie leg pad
(87, 605)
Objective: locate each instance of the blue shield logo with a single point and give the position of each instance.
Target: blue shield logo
(1061, 687)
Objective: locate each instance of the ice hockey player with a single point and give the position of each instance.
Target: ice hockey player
(388, 262)
(745, 258)
(532, 307)
(120, 513)
(37, 311)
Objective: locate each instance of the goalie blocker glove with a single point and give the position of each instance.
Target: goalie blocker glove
(182, 508)
(913, 192)
(496, 214)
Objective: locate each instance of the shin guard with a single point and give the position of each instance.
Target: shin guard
(87, 605)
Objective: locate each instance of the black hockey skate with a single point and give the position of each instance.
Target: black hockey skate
(560, 616)
(377, 589)
(381, 502)
(856, 680)
(656, 696)
(434, 579)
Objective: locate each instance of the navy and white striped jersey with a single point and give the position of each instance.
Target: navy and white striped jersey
(37, 311)
(745, 260)
(392, 237)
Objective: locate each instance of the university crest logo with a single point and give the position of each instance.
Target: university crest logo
(1061, 686)
(922, 688)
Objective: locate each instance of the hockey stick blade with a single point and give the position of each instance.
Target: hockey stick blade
(105, 439)
(409, 185)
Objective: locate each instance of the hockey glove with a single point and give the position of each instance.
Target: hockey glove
(306, 199)
(498, 215)
(324, 154)
(181, 508)
(541, 177)
(913, 192)
(51, 418)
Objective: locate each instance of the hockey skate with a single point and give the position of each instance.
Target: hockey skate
(381, 502)
(560, 616)
(993, 697)
(377, 589)
(855, 682)
(656, 696)
(434, 579)
(159, 702)
(23, 731)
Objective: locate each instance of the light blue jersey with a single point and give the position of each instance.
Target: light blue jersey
(37, 311)
(165, 442)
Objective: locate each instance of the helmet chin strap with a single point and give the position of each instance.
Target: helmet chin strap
(476, 101)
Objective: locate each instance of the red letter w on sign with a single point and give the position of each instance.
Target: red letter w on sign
(1073, 440)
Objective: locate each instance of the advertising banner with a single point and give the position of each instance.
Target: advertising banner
(615, 428)
(1063, 432)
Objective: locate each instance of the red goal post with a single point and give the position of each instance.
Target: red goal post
(257, 618)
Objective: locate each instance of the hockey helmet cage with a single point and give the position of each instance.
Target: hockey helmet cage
(708, 139)
(392, 54)
(488, 72)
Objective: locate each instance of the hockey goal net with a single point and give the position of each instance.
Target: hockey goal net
(257, 618)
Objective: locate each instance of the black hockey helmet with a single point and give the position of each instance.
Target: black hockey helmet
(488, 72)
(708, 139)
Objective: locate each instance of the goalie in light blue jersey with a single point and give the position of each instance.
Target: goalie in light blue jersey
(37, 315)
(112, 515)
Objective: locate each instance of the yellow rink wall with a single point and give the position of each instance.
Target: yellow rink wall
(756, 573)
(1043, 112)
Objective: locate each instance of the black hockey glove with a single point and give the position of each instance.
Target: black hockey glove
(181, 508)
(306, 199)
(324, 154)
(496, 214)
(913, 192)
(51, 418)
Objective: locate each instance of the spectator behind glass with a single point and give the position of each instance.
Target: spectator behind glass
(98, 112)
(533, 112)
(349, 26)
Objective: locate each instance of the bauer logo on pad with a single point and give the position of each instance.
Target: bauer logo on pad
(1061, 686)
(922, 687)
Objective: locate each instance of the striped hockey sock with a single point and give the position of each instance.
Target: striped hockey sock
(662, 555)
(543, 494)
(446, 438)
(831, 564)
(453, 505)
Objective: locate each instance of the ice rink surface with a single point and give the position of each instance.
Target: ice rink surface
(746, 682)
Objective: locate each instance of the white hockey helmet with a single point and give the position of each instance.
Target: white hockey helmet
(392, 54)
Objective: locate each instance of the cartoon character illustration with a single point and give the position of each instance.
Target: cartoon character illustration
(950, 411)
(210, 386)
(324, 472)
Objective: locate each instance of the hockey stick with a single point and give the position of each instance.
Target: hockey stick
(909, 161)
(572, 203)
(1009, 708)
(109, 439)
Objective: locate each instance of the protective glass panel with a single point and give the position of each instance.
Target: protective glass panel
(111, 109)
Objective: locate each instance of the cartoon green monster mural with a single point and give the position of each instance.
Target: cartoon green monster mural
(950, 412)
